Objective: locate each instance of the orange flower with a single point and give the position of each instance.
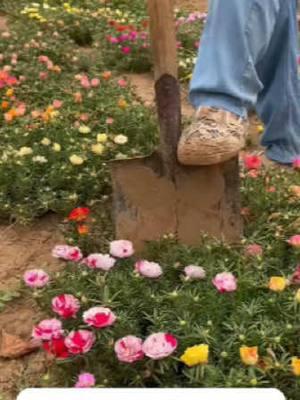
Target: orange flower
(106, 75)
(249, 355)
(79, 214)
(83, 229)
(10, 115)
(5, 105)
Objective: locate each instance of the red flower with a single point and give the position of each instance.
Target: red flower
(252, 161)
(79, 214)
(57, 348)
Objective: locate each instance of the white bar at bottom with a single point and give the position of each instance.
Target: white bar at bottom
(151, 394)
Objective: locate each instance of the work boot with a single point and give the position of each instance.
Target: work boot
(213, 137)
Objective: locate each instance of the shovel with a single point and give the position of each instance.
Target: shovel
(155, 196)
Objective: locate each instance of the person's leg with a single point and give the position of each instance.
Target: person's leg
(236, 37)
(279, 102)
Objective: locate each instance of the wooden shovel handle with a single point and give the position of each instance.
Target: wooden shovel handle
(164, 48)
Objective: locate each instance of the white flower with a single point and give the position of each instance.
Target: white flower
(40, 159)
(121, 139)
(46, 141)
(25, 151)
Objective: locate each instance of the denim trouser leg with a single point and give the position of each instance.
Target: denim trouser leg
(247, 59)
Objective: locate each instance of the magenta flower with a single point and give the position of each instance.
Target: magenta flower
(148, 269)
(68, 253)
(85, 380)
(159, 345)
(36, 278)
(48, 329)
(225, 282)
(99, 317)
(99, 261)
(296, 163)
(65, 305)
(126, 50)
(129, 349)
(80, 342)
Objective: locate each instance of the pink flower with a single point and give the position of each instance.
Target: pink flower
(65, 305)
(95, 82)
(43, 59)
(194, 272)
(80, 342)
(225, 282)
(296, 276)
(126, 50)
(57, 104)
(122, 83)
(36, 278)
(296, 163)
(85, 82)
(48, 329)
(43, 76)
(121, 248)
(109, 121)
(99, 261)
(159, 345)
(254, 250)
(148, 269)
(252, 161)
(129, 349)
(84, 117)
(295, 241)
(99, 317)
(68, 253)
(85, 380)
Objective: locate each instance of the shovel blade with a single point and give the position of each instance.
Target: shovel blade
(147, 204)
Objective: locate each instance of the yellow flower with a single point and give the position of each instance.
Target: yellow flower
(296, 366)
(98, 148)
(10, 92)
(249, 355)
(76, 160)
(195, 355)
(25, 151)
(277, 283)
(46, 141)
(56, 147)
(102, 137)
(122, 103)
(297, 297)
(84, 129)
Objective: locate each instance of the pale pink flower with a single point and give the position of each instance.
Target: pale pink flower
(43, 59)
(65, 305)
(122, 83)
(57, 104)
(159, 345)
(95, 82)
(129, 349)
(68, 253)
(21, 109)
(194, 272)
(50, 65)
(85, 380)
(80, 342)
(121, 248)
(99, 317)
(99, 261)
(254, 250)
(84, 117)
(148, 269)
(225, 282)
(109, 121)
(36, 278)
(296, 163)
(294, 241)
(48, 329)
(43, 76)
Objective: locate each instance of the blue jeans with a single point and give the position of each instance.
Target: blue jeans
(248, 60)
